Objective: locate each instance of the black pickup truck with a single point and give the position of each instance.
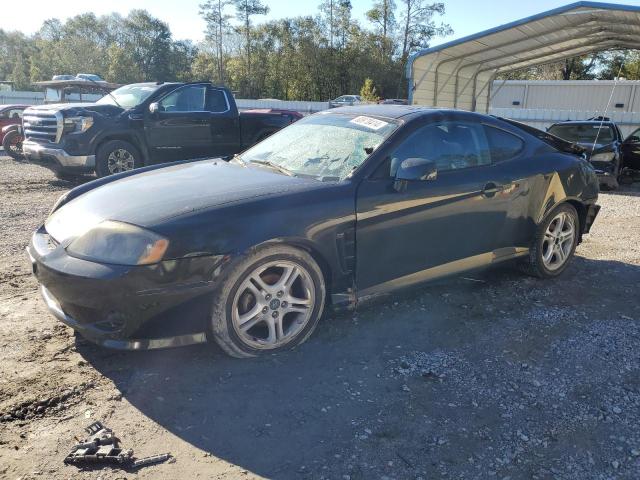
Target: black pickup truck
(142, 124)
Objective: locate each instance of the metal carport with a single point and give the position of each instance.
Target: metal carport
(459, 74)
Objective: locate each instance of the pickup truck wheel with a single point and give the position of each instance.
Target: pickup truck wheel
(117, 156)
(269, 301)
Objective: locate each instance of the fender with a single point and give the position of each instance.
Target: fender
(132, 136)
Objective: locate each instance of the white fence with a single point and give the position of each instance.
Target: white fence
(543, 118)
(37, 98)
(302, 107)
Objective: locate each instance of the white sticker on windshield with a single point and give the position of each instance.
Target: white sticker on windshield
(372, 123)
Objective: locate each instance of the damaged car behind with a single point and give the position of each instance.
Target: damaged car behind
(340, 207)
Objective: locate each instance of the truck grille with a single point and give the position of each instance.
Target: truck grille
(42, 126)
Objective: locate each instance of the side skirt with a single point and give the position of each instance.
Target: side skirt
(444, 270)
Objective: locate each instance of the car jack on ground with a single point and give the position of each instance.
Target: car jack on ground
(102, 447)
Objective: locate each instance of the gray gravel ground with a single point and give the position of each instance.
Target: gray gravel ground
(490, 375)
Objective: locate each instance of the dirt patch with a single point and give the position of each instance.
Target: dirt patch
(494, 375)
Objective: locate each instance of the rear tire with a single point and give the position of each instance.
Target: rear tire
(117, 156)
(554, 244)
(12, 144)
(268, 302)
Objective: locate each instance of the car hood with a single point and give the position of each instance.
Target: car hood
(151, 197)
(71, 109)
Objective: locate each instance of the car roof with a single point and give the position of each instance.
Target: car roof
(11, 105)
(391, 111)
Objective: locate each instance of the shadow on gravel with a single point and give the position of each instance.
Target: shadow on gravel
(626, 190)
(284, 415)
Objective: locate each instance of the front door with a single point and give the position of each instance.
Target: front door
(181, 128)
(631, 151)
(431, 227)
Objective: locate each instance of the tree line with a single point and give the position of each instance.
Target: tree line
(313, 57)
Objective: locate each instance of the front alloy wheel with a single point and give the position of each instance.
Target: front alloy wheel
(117, 156)
(273, 304)
(269, 300)
(120, 160)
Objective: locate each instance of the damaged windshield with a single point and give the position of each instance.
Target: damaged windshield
(129, 96)
(326, 146)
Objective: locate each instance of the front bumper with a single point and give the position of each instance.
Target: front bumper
(58, 159)
(592, 213)
(123, 307)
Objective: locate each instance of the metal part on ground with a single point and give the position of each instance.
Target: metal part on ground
(103, 447)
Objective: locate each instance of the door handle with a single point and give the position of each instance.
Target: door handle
(491, 188)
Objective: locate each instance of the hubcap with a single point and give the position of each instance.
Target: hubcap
(558, 241)
(120, 160)
(273, 304)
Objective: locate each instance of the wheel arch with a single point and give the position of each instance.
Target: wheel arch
(125, 137)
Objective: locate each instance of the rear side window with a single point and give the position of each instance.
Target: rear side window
(217, 101)
(502, 145)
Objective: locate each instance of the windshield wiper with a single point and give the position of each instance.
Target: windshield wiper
(274, 166)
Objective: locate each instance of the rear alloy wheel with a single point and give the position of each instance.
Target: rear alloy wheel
(270, 301)
(555, 242)
(117, 156)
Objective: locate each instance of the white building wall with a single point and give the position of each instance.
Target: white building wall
(542, 103)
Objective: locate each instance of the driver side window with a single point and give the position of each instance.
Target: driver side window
(186, 99)
(450, 145)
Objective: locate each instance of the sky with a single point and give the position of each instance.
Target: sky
(465, 16)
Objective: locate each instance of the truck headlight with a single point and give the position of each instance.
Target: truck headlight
(120, 244)
(77, 124)
(603, 157)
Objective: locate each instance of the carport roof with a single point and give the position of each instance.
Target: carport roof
(444, 75)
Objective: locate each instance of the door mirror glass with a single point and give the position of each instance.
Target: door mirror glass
(632, 139)
(154, 107)
(417, 169)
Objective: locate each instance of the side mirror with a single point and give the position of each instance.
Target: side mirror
(632, 139)
(154, 108)
(415, 170)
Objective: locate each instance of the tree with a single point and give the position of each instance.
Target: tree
(382, 15)
(368, 91)
(213, 12)
(19, 75)
(149, 40)
(122, 67)
(245, 9)
(418, 28)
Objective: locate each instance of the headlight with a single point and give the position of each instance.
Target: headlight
(77, 124)
(119, 243)
(603, 157)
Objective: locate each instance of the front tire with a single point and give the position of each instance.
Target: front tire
(554, 243)
(12, 144)
(117, 156)
(268, 302)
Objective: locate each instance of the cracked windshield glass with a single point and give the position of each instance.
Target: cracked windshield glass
(328, 147)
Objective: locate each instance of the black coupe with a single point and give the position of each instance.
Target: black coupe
(341, 206)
